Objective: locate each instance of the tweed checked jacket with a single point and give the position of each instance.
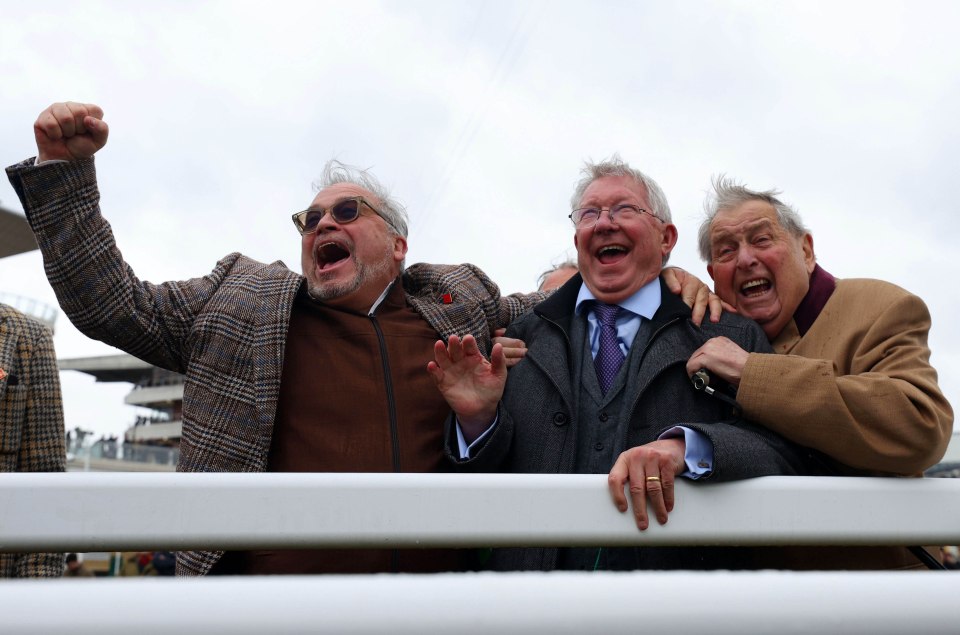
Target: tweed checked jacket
(225, 331)
(31, 420)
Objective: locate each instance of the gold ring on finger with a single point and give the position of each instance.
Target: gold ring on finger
(653, 478)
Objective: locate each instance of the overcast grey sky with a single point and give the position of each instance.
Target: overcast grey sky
(479, 115)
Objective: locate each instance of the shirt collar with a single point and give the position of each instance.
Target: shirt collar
(644, 302)
(379, 300)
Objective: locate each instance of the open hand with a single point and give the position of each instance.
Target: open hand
(471, 385)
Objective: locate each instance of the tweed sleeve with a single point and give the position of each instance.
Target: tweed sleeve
(95, 287)
(461, 300)
(39, 432)
(516, 305)
(42, 443)
(864, 393)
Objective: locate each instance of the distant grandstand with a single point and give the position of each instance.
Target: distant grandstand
(17, 238)
(152, 442)
(15, 235)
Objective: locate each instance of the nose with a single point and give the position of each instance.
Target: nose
(746, 257)
(326, 223)
(605, 221)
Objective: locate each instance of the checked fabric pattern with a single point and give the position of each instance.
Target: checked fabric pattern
(225, 331)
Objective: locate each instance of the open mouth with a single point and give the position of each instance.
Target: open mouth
(609, 254)
(330, 253)
(754, 288)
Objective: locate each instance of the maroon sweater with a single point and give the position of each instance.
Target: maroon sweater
(355, 397)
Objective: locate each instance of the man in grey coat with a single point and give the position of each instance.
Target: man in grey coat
(603, 386)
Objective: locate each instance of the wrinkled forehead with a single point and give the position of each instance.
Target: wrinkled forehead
(747, 218)
(331, 195)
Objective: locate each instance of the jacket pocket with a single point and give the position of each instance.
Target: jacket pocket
(13, 407)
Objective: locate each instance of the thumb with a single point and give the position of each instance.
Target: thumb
(98, 130)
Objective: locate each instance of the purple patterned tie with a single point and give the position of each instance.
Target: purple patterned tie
(609, 357)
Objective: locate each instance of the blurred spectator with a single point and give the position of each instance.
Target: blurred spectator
(145, 563)
(75, 568)
(554, 278)
(951, 557)
(137, 563)
(164, 562)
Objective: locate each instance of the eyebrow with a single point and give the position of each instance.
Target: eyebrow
(721, 234)
(611, 206)
(323, 208)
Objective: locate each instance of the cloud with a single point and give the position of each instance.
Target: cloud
(479, 116)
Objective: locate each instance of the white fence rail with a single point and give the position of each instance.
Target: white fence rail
(96, 512)
(555, 603)
(101, 512)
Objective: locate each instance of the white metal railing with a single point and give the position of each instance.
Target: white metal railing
(558, 603)
(92, 512)
(98, 512)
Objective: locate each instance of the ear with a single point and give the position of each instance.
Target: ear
(669, 239)
(399, 248)
(710, 271)
(809, 258)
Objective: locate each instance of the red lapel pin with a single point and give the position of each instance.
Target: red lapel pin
(447, 298)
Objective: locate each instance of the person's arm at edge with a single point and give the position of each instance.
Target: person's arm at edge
(42, 441)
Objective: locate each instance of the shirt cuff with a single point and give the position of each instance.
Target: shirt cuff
(462, 443)
(37, 161)
(698, 454)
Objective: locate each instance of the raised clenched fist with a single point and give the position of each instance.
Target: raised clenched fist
(70, 130)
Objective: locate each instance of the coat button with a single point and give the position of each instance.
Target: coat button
(604, 416)
(559, 419)
(598, 446)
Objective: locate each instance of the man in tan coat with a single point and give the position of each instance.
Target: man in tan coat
(851, 376)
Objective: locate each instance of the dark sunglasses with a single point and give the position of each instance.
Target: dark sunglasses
(345, 211)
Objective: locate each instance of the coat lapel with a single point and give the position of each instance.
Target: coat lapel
(661, 350)
(788, 338)
(554, 356)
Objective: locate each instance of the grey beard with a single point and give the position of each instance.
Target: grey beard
(330, 291)
(323, 292)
